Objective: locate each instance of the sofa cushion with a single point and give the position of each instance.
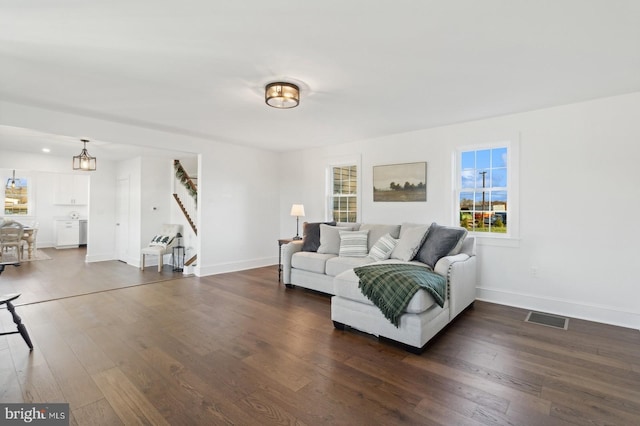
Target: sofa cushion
(408, 225)
(377, 231)
(409, 243)
(337, 265)
(345, 285)
(353, 243)
(330, 238)
(441, 241)
(311, 235)
(382, 249)
(312, 262)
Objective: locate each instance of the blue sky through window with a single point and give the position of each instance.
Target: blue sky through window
(491, 162)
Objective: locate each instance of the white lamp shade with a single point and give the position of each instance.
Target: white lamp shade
(297, 210)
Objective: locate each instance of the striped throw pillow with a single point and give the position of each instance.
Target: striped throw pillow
(382, 249)
(353, 243)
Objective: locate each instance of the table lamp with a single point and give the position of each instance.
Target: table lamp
(297, 210)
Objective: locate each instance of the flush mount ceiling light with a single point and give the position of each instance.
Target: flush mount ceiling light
(84, 161)
(282, 95)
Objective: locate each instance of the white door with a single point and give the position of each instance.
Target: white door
(122, 219)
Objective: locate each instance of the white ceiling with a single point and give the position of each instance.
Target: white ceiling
(366, 68)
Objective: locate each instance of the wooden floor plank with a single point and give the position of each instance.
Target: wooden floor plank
(74, 381)
(97, 413)
(9, 384)
(240, 348)
(126, 400)
(442, 414)
(204, 404)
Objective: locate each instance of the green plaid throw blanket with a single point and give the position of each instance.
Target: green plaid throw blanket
(391, 286)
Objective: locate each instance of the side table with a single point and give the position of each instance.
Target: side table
(281, 242)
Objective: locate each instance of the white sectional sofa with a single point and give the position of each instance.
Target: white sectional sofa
(329, 268)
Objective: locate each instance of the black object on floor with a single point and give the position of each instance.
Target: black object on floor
(7, 299)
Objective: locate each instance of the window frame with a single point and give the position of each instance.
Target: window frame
(30, 198)
(512, 185)
(346, 162)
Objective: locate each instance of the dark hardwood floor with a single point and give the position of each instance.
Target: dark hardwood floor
(67, 274)
(240, 349)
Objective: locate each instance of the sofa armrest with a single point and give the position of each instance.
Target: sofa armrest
(460, 271)
(288, 250)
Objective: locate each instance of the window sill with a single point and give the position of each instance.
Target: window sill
(483, 239)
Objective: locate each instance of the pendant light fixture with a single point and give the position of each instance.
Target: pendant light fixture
(11, 183)
(282, 95)
(84, 161)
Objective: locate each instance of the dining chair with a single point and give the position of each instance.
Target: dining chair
(11, 234)
(29, 238)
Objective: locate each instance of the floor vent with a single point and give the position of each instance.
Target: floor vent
(548, 320)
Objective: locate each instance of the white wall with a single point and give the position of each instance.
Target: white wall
(578, 198)
(238, 208)
(102, 214)
(155, 198)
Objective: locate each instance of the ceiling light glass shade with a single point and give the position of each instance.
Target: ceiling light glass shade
(84, 161)
(282, 95)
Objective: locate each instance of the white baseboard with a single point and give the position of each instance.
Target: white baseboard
(98, 257)
(569, 308)
(221, 268)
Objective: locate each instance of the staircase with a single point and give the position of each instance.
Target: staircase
(186, 213)
(186, 195)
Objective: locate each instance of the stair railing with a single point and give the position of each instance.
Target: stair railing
(185, 193)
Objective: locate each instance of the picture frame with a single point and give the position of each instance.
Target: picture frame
(406, 182)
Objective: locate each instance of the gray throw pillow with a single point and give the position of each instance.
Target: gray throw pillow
(441, 241)
(330, 238)
(311, 235)
(409, 243)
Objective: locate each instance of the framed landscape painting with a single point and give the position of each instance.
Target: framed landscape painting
(400, 182)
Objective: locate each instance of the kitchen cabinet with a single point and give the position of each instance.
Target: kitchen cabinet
(67, 233)
(71, 190)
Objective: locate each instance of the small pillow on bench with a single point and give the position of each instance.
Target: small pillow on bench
(161, 240)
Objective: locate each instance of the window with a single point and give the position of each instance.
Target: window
(343, 199)
(16, 197)
(484, 197)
